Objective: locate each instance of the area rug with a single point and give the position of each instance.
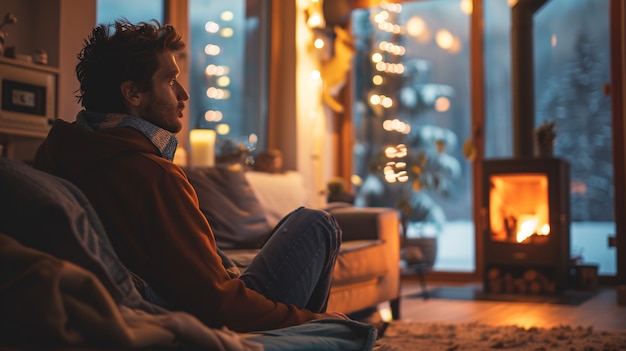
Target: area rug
(402, 336)
(474, 293)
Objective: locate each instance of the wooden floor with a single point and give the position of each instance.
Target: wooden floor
(601, 311)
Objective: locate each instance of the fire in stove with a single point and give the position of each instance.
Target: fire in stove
(519, 211)
(529, 226)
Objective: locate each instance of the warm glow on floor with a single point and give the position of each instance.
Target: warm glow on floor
(529, 318)
(385, 312)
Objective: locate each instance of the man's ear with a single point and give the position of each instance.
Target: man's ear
(130, 93)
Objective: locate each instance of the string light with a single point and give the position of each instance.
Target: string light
(398, 151)
(390, 6)
(212, 50)
(219, 71)
(223, 81)
(382, 100)
(377, 57)
(396, 125)
(381, 18)
(227, 32)
(212, 27)
(227, 16)
(315, 20)
(215, 70)
(213, 116)
(319, 43)
(395, 68)
(377, 79)
(217, 94)
(392, 48)
(222, 129)
(316, 75)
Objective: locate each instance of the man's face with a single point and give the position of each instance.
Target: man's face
(163, 105)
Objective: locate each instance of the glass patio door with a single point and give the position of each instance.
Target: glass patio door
(574, 67)
(411, 117)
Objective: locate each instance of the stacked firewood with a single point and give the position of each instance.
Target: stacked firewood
(531, 281)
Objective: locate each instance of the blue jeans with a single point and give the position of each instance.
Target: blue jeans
(295, 266)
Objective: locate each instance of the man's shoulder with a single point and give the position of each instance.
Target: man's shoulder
(148, 176)
(150, 165)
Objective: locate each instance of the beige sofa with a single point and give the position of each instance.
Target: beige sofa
(243, 206)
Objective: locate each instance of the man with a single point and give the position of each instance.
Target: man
(119, 153)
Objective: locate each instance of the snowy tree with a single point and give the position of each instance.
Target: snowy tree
(575, 101)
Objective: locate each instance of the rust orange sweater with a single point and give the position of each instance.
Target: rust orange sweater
(151, 214)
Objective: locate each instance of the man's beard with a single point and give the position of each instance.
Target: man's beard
(162, 115)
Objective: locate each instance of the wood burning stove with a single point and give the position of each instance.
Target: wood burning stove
(526, 225)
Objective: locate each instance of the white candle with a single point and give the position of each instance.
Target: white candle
(202, 143)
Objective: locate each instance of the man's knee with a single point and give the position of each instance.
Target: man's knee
(325, 221)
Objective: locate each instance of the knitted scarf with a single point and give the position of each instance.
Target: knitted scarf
(165, 141)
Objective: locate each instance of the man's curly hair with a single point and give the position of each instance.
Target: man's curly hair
(120, 52)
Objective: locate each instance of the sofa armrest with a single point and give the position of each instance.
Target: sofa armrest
(368, 223)
(380, 225)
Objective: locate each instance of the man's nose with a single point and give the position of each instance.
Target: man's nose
(182, 93)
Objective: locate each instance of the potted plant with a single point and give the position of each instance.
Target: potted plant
(545, 135)
(409, 177)
(9, 18)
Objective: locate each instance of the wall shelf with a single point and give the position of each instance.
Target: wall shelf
(13, 135)
(29, 65)
(28, 94)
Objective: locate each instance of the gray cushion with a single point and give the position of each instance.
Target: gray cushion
(52, 215)
(230, 205)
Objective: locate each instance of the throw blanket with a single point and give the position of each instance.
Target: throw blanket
(54, 302)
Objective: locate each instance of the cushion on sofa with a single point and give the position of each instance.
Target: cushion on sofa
(50, 214)
(278, 193)
(230, 205)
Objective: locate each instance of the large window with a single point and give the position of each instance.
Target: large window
(135, 11)
(229, 66)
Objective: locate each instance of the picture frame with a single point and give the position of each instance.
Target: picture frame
(23, 97)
